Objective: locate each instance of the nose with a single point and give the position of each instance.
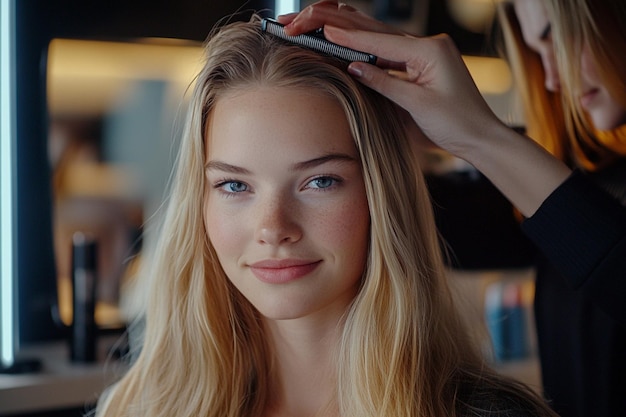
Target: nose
(277, 223)
(552, 79)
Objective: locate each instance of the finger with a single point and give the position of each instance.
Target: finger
(312, 11)
(287, 18)
(392, 87)
(390, 47)
(371, 46)
(335, 14)
(344, 6)
(313, 17)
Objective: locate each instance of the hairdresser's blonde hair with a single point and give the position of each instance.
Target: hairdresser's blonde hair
(557, 120)
(403, 351)
(542, 109)
(600, 25)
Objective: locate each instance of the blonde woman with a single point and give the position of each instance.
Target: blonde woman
(298, 270)
(585, 134)
(567, 56)
(568, 60)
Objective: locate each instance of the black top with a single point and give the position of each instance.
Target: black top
(579, 298)
(582, 230)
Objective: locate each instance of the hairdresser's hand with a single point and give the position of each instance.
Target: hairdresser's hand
(426, 76)
(330, 12)
(434, 85)
(437, 90)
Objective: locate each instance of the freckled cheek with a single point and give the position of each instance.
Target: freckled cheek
(347, 226)
(223, 232)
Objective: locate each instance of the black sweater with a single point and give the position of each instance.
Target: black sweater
(581, 229)
(580, 297)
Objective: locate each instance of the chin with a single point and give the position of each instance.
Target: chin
(609, 122)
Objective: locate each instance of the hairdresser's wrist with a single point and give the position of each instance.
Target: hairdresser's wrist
(522, 170)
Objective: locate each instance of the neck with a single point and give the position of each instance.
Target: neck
(305, 382)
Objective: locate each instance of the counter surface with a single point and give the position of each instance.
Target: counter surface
(60, 383)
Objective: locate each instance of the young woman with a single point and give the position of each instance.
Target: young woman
(570, 64)
(577, 112)
(298, 270)
(572, 80)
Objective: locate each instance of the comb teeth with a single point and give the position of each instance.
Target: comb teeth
(317, 43)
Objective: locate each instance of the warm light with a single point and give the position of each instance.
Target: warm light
(89, 77)
(491, 75)
(474, 15)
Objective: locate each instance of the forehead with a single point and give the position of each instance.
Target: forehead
(533, 19)
(282, 119)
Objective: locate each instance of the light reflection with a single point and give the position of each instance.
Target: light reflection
(7, 185)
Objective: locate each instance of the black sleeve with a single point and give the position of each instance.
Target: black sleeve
(582, 230)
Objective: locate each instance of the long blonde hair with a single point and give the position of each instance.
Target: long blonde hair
(600, 25)
(556, 120)
(403, 351)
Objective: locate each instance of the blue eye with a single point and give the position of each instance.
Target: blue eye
(322, 182)
(232, 187)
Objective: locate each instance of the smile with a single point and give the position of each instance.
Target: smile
(282, 271)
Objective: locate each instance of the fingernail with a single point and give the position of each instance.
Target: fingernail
(355, 70)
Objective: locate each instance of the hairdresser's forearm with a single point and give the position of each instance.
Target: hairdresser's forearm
(523, 171)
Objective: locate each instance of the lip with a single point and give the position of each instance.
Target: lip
(280, 271)
(587, 98)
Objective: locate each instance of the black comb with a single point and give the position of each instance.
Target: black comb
(317, 42)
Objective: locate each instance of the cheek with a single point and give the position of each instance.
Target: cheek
(349, 230)
(222, 231)
(588, 66)
(609, 116)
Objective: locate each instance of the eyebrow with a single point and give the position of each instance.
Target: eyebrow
(546, 31)
(300, 166)
(223, 166)
(341, 157)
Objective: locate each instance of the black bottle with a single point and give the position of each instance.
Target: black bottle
(84, 282)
